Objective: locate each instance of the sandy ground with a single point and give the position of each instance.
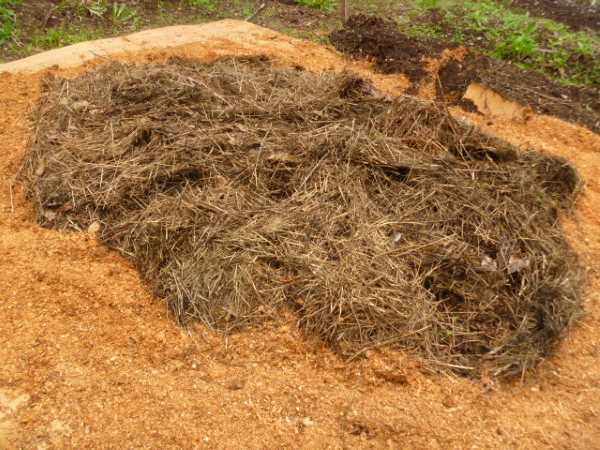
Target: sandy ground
(89, 359)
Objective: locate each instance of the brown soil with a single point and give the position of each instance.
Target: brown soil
(90, 360)
(454, 77)
(394, 52)
(576, 104)
(379, 40)
(577, 15)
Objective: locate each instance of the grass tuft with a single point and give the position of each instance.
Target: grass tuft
(8, 19)
(325, 5)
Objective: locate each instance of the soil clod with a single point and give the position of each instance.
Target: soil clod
(378, 39)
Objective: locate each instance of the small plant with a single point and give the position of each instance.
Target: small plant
(60, 36)
(247, 9)
(98, 9)
(8, 19)
(325, 5)
(123, 13)
(518, 42)
(517, 47)
(118, 12)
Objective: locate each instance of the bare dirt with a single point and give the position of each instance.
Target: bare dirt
(577, 104)
(576, 14)
(395, 52)
(380, 41)
(90, 359)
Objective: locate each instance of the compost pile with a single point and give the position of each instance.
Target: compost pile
(241, 190)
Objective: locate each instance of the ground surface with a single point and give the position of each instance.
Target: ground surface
(577, 14)
(91, 360)
(395, 52)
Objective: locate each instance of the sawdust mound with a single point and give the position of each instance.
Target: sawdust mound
(239, 189)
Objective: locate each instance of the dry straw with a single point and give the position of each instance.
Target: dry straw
(239, 189)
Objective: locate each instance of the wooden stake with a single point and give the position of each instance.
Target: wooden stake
(344, 10)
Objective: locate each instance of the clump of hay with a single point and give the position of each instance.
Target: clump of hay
(239, 189)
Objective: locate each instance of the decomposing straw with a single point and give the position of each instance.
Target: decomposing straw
(239, 189)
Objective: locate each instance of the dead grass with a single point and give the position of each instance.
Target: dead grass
(239, 189)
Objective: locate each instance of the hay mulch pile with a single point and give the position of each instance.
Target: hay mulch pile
(240, 190)
(392, 51)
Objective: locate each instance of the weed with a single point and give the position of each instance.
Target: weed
(325, 5)
(98, 8)
(8, 19)
(118, 12)
(247, 9)
(123, 13)
(60, 36)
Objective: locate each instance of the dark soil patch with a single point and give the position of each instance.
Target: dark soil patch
(575, 104)
(557, 58)
(455, 76)
(576, 15)
(374, 38)
(378, 39)
(240, 190)
(453, 80)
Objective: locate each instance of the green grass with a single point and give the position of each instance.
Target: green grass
(117, 12)
(248, 9)
(210, 5)
(504, 33)
(325, 5)
(7, 19)
(61, 36)
(490, 26)
(120, 12)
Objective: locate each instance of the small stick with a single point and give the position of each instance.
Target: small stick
(344, 10)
